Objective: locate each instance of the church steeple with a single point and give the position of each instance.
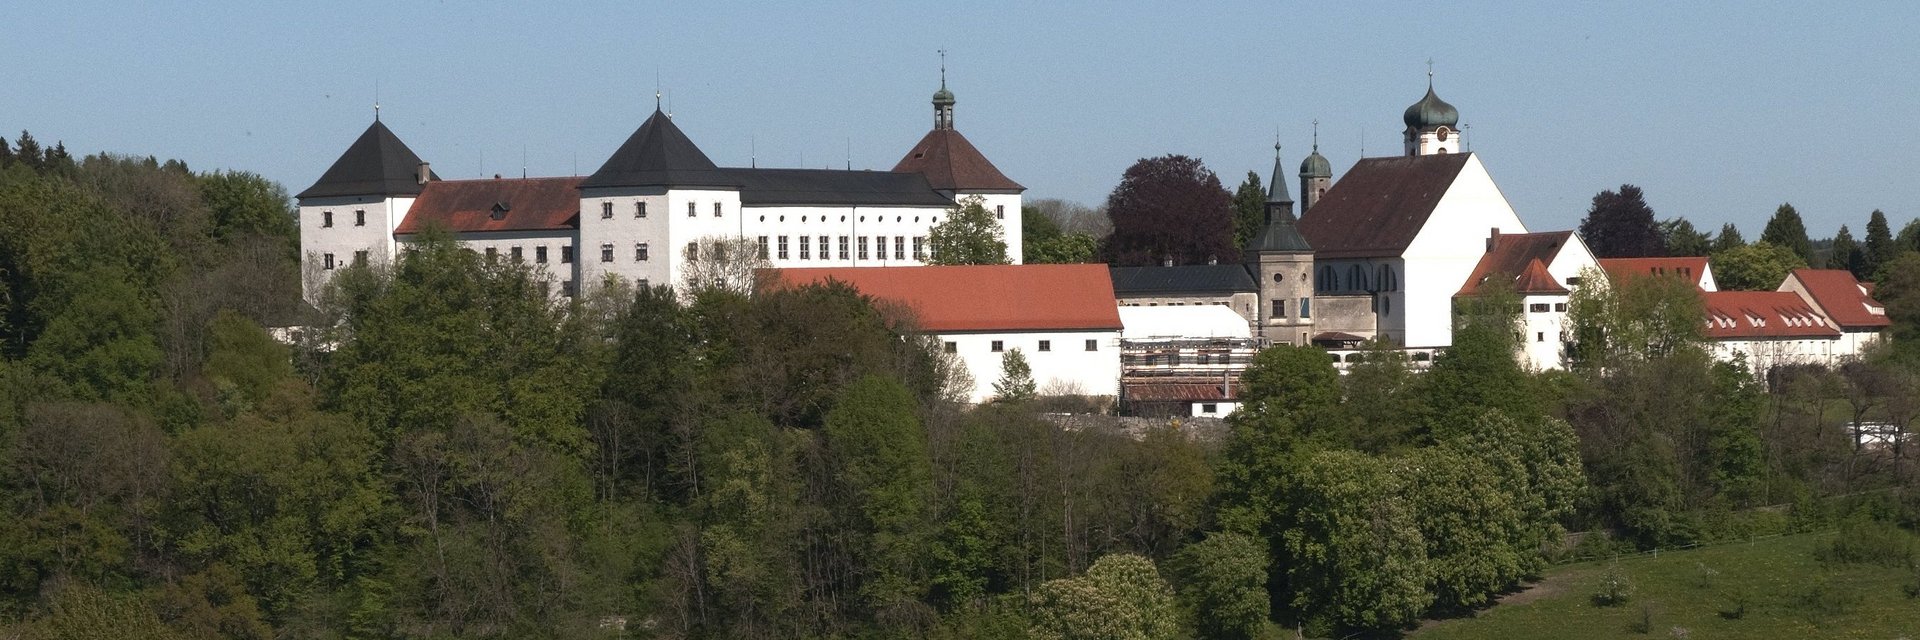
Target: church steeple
(1431, 124)
(943, 99)
(1316, 174)
(1277, 196)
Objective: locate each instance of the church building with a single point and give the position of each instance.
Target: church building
(643, 214)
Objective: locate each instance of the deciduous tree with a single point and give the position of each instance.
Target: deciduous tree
(1121, 597)
(1760, 266)
(1223, 584)
(1619, 224)
(969, 235)
(1170, 208)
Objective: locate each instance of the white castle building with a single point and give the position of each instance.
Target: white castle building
(642, 215)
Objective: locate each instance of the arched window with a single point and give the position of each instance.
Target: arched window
(1388, 279)
(1357, 278)
(1329, 279)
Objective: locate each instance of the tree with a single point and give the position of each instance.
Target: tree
(1042, 241)
(1468, 520)
(1249, 209)
(728, 263)
(1681, 239)
(1537, 462)
(245, 203)
(1353, 554)
(1878, 249)
(1633, 318)
(1900, 290)
(1728, 238)
(1785, 229)
(1223, 584)
(1170, 208)
(1073, 217)
(1845, 254)
(1619, 224)
(969, 235)
(1481, 370)
(880, 459)
(1382, 397)
(1015, 385)
(1121, 597)
(1760, 266)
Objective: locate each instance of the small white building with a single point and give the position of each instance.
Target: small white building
(1061, 317)
(1183, 360)
(1542, 269)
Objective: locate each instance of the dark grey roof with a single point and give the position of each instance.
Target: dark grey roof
(1281, 233)
(658, 154)
(1203, 278)
(769, 187)
(377, 164)
(1277, 192)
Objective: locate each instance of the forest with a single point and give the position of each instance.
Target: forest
(447, 452)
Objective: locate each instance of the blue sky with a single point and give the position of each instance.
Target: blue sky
(1720, 111)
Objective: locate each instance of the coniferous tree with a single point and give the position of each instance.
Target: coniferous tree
(1846, 254)
(1621, 225)
(1682, 239)
(1729, 238)
(1249, 209)
(1786, 229)
(28, 152)
(6, 153)
(1170, 208)
(1879, 244)
(1016, 379)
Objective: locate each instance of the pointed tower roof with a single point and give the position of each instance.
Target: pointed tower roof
(377, 164)
(1536, 281)
(1277, 189)
(951, 163)
(657, 154)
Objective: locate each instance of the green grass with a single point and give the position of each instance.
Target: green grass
(1787, 590)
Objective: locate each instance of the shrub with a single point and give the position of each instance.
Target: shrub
(1868, 541)
(1736, 606)
(1644, 624)
(1820, 601)
(1615, 589)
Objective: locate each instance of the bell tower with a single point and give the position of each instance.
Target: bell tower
(1316, 174)
(1282, 262)
(1432, 124)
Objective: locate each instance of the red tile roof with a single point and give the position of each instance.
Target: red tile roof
(1378, 207)
(1763, 314)
(950, 162)
(1513, 256)
(1177, 391)
(1692, 268)
(466, 206)
(1845, 299)
(1033, 297)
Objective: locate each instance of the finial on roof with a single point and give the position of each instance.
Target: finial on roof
(1276, 145)
(1316, 135)
(656, 98)
(376, 110)
(1429, 73)
(943, 68)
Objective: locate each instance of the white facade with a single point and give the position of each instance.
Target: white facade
(1763, 354)
(1443, 255)
(1067, 362)
(335, 232)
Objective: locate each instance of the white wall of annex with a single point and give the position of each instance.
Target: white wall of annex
(1447, 248)
(1069, 363)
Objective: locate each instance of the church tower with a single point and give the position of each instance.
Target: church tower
(1282, 262)
(1316, 174)
(957, 170)
(1432, 125)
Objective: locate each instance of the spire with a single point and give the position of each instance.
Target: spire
(1277, 189)
(943, 99)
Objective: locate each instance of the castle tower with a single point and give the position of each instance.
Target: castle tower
(349, 215)
(958, 170)
(1432, 125)
(1282, 262)
(1316, 174)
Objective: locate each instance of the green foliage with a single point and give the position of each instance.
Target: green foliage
(1878, 248)
(1016, 384)
(1864, 540)
(1785, 229)
(1353, 556)
(1615, 588)
(86, 612)
(969, 235)
(244, 358)
(1728, 238)
(1760, 266)
(1682, 239)
(880, 459)
(1121, 597)
(1223, 584)
(1846, 254)
(1899, 289)
(1070, 248)
(1480, 371)
(1619, 224)
(1297, 380)
(1383, 398)
(1633, 319)
(1249, 209)
(1473, 528)
(243, 203)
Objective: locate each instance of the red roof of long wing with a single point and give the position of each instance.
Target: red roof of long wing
(1844, 299)
(1030, 297)
(1763, 314)
(466, 206)
(1692, 268)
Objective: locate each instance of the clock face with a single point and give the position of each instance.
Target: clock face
(1443, 133)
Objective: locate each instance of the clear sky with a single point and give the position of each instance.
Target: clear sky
(1719, 110)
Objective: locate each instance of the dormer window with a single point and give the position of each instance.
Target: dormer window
(500, 210)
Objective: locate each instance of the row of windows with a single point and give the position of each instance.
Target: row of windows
(327, 261)
(359, 218)
(1306, 308)
(1358, 278)
(539, 254)
(998, 346)
(826, 245)
(640, 209)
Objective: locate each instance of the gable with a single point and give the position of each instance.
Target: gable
(1380, 205)
(1466, 215)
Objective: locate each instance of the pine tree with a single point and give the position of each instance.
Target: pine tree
(1016, 379)
(1729, 238)
(1878, 249)
(1682, 239)
(1249, 210)
(1786, 229)
(1845, 254)
(29, 151)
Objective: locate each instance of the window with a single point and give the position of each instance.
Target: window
(805, 242)
(640, 252)
(1000, 211)
(1208, 407)
(492, 252)
(639, 209)
(997, 346)
(693, 252)
(606, 252)
(566, 254)
(763, 247)
(1093, 345)
(326, 261)
(1306, 307)
(1356, 278)
(899, 247)
(692, 210)
(716, 209)
(540, 254)
(517, 255)
(1046, 345)
(641, 283)
(919, 248)
(606, 211)
(863, 247)
(359, 258)
(824, 255)
(1574, 280)
(1560, 307)
(359, 217)
(326, 218)
(1279, 309)
(953, 347)
(1386, 306)
(1538, 307)
(566, 288)
(843, 247)
(1539, 336)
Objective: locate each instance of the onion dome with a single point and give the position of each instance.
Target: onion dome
(1431, 112)
(943, 97)
(1316, 166)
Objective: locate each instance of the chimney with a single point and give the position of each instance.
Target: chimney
(422, 172)
(1493, 238)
